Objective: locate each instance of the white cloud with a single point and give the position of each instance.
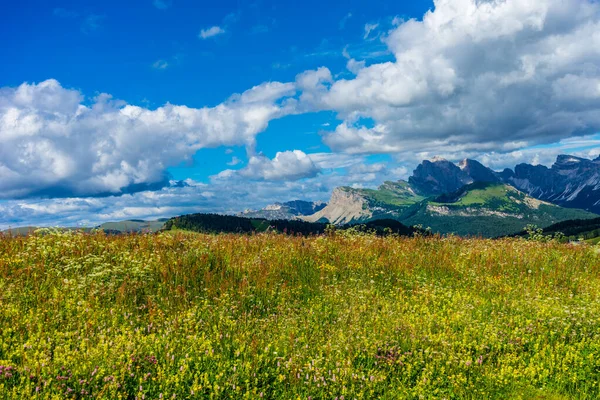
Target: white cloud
(369, 28)
(585, 147)
(226, 193)
(52, 144)
(479, 79)
(476, 74)
(397, 21)
(211, 32)
(367, 168)
(360, 140)
(286, 166)
(400, 173)
(234, 161)
(335, 160)
(355, 66)
(507, 157)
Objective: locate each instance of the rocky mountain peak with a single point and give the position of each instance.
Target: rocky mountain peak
(571, 182)
(301, 207)
(437, 177)
(288, 210)
(478, 172)
(568, 161)
(273, 207)
(346, 205)
(507, 174)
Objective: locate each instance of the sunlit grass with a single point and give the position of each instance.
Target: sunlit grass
(198, 316)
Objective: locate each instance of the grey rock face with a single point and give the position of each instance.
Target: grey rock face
(288, 210)
(571, 182)
(438, 176)
(479, 172)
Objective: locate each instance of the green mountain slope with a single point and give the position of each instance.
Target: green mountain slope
(485, 209)
(398, 194)
(350, 206)
(214, 223)
(489, 210)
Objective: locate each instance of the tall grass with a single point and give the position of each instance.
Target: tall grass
(181, 315)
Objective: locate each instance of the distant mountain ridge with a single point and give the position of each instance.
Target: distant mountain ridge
(481, 208)
(288, 210)
(470, 198)
(438, 176)
(348, 205)
(571, 182)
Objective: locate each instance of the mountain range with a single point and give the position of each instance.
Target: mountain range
(287, 210)
(571, 182)
(469, 198)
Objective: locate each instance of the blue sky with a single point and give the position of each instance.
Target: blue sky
(105, 46)
(253, 102)
(149, 53)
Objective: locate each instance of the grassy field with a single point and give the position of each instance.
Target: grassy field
(181, 315)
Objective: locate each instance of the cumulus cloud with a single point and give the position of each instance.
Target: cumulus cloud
(211, 32)
(476, 76)
(585, 147)
(226, 193)
(474, 73)
(500, 158)
(286, 166)
(52, 144)
(361, 140)
(478, 79)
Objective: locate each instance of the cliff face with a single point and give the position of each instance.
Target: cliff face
(572, 182)
(437, 177)
(478, 172)
(345, 206)
(471, 193)
(288, 210)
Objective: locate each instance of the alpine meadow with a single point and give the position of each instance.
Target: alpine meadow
(346, 315)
